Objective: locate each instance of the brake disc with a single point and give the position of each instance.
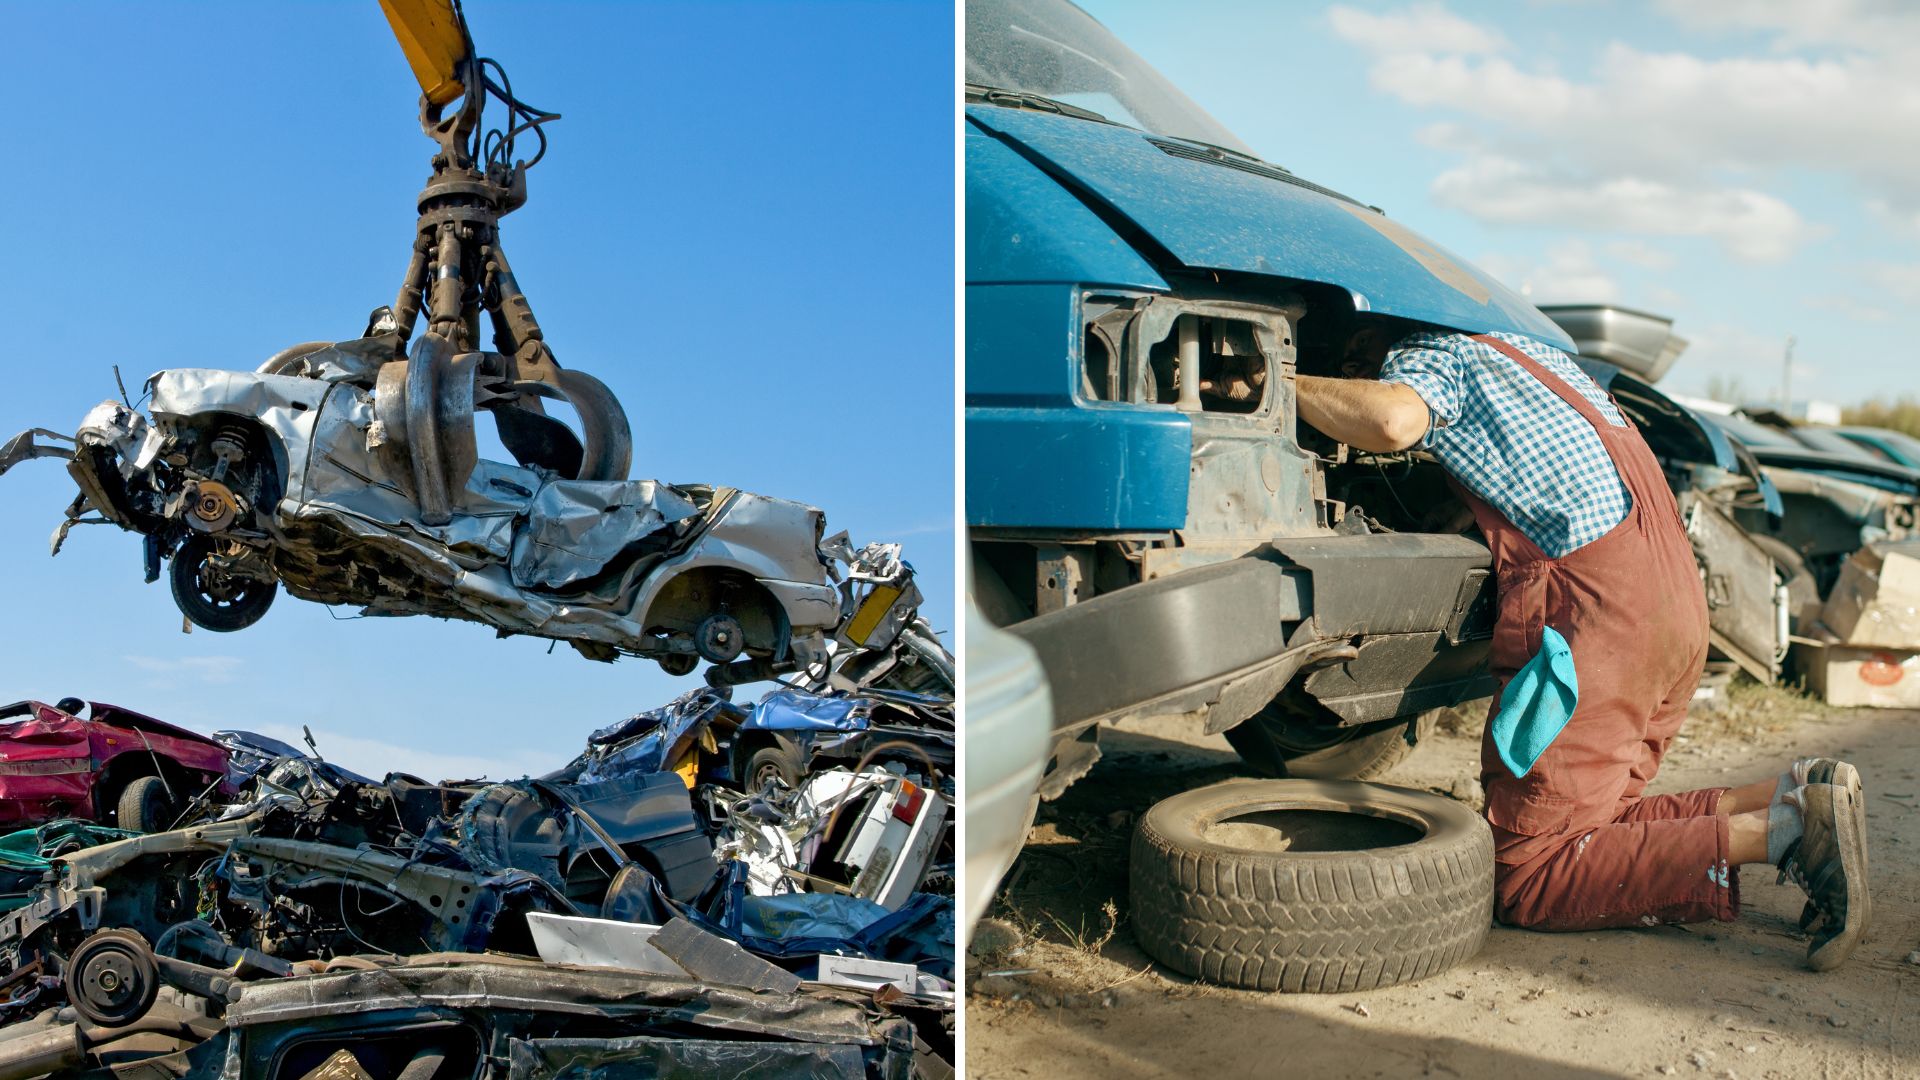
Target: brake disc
(112, 979)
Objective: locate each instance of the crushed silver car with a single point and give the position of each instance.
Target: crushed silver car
(304, 475)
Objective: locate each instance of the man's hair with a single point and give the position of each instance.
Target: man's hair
(1394, 327)
(1330, 327)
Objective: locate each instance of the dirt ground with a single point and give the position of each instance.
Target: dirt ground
(1070, 994)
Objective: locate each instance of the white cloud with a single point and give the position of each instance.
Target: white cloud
(1750, 225)
(1641, 254)
(215, 670)
(1568, 274)
(1491, 87)
(1664, 300)
(1713, 136)
(1417, 29)
(1903, 220)
(1900, 279)
(375, 758)
(1851, 307)
(1875, 25)
(1740, 356)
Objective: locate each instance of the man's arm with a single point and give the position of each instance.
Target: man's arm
(1363, 413)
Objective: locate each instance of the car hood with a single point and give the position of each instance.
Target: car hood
(1883, 475)
(1208, 210)
(1678, 433)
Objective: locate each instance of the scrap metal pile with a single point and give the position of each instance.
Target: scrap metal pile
(654, 907)
(659, 900)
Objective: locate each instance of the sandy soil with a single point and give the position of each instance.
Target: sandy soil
(1717, 999)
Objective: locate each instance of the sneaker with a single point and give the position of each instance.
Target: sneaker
(1825, 770)
(1829, 862)
(1822, 770)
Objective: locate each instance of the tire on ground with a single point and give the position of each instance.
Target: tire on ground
(1283, 901)
(145, 806)
(1280, 743)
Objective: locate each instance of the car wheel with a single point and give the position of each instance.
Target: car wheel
(769, 763)
(1316, 886)
(213, 600)
(1279, 742)
(678, 664)
(145, 806)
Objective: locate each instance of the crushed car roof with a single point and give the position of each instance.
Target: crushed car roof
(99, 712)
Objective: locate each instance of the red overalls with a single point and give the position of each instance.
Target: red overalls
(1576, 846)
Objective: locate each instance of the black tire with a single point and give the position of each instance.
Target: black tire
(1376, 886)
(145, 806)
(768, 762)
(1278, 742)
(219, 603)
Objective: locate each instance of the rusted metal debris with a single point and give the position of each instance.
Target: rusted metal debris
(680, 893)
(212, 949)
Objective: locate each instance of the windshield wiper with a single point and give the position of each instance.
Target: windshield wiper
(1228, 151)
(1020, 99)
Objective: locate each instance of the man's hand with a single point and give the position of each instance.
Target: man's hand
(1363, 413)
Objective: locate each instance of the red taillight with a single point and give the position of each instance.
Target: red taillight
(906, 805)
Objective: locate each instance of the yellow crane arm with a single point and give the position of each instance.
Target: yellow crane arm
(434, 37)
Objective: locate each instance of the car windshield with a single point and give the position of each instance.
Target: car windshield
(1052, 49)
(1754, 434)
(1833, 442)
(1892, 445)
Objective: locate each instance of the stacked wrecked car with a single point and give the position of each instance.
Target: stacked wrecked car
(660, 899)
(191, 905)
(243, 482)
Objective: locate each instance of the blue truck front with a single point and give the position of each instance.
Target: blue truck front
(1141, 290)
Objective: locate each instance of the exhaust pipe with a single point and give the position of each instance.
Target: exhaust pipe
(51, 1051)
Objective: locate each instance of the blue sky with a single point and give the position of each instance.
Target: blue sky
(1745, 166)
(744, 226)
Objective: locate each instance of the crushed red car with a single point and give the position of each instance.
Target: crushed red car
(115, 766)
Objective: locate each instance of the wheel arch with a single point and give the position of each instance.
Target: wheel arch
(679, 603)
(131, 764)
(262, 433)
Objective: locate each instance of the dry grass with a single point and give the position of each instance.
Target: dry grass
(1465, 719)
(1748, 710)
(1754, 709)
(1081, 940)
(1899, 415)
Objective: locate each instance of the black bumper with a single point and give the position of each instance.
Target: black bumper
(1210, 640)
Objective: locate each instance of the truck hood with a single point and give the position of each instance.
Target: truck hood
(1205, 209)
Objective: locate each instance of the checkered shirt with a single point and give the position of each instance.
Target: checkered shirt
(1511, 440)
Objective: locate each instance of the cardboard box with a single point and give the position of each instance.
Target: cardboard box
(1878, 678)
(1876, 600)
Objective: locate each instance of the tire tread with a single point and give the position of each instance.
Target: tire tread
(1271, 921)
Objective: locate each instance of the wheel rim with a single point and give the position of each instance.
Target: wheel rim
(221, 591)
(214, 598)
(113, 981)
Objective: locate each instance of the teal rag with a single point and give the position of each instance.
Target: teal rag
(1538, 702)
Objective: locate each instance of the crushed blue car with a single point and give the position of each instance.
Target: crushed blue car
(786, 735)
